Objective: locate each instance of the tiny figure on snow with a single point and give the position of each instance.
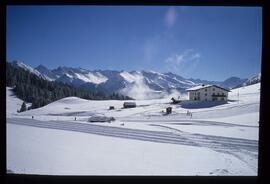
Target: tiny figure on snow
(32, 117)
(75, 118)
(191, 115)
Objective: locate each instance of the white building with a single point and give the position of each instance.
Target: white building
(208, 93)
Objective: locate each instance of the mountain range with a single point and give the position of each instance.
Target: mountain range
(136, 84)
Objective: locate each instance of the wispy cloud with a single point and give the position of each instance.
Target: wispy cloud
(153, 45)
(150, 49)
(183, 62)
(160, 40)
(170, 17)
(188, 55)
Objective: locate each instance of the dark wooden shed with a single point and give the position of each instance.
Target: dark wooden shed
(129, 104)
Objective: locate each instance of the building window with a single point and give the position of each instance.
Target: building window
(205, 94)
(205, 89)
(213, 89)
(223, 94)
(222, 99)
(213, 93)
(198, 93)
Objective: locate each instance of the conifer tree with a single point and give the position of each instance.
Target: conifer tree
(23, 107)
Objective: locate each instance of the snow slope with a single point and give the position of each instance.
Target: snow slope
(72, 153)
(217, 140)
(13, 103)
(131, 77)
(252, 80)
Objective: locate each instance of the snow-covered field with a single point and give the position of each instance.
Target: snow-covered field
(217, 140)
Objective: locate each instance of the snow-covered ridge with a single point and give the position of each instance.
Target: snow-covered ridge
(96, 78)
(131, 77)
(252, 80)
(81, 74)
(32, 70)
(127, 83)
(26, 67)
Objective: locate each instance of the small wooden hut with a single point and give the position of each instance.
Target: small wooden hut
(129, 104)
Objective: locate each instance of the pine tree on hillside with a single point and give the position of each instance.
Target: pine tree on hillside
(23, 107)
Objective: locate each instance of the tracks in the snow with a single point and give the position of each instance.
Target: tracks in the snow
(217, 143)
(187, 122)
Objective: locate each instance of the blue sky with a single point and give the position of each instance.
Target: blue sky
(211, 43)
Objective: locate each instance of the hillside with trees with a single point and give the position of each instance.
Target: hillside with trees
(33, 89)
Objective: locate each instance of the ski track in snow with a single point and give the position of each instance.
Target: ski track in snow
(190, 122)
(233, 146)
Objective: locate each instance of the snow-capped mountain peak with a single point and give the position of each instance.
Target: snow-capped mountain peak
(26, 67)
(46, 73)
(110, 81)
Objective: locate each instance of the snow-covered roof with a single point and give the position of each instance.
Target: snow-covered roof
(198, 87)
(205, 86)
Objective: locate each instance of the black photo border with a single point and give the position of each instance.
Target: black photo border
(264, 153)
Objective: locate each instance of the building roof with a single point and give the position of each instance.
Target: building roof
(129, 103)
(205, 86)
(198, 87)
